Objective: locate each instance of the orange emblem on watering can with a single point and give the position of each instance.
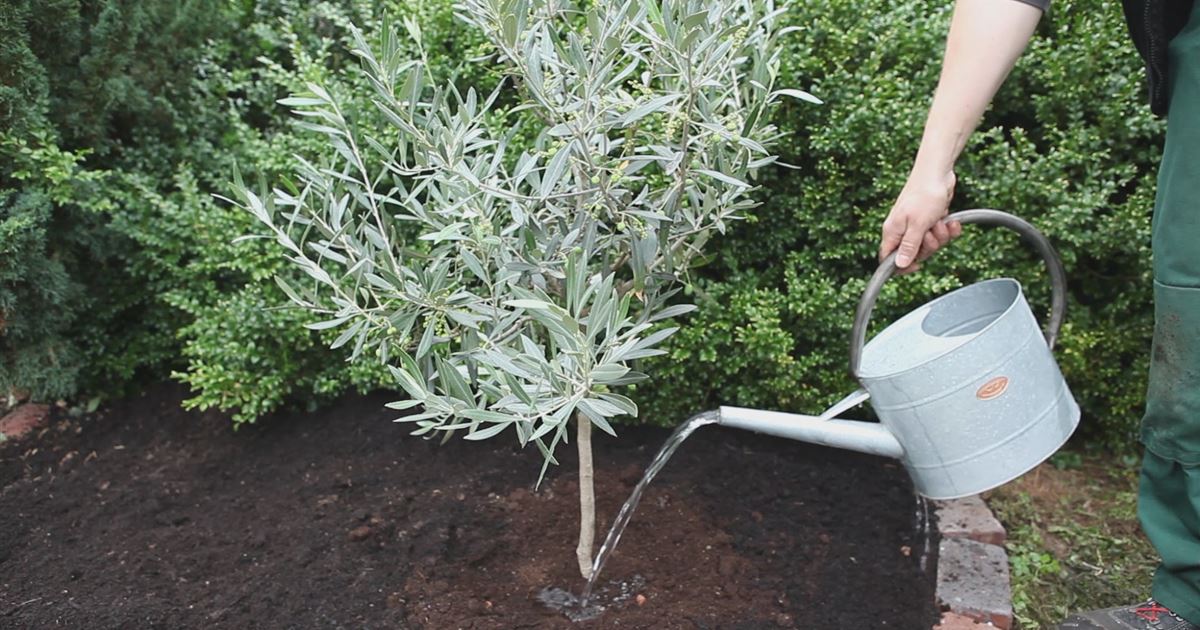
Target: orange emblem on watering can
(992, 388)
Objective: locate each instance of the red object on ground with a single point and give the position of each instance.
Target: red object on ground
(23, 419)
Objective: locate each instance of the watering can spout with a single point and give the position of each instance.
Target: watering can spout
(864, 437)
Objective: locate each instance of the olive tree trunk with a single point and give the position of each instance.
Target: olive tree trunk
(587, 495)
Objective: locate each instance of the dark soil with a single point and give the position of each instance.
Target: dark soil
(145, 516)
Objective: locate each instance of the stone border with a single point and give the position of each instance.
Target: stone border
(973, 587)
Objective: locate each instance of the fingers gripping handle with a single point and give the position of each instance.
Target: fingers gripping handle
(1029, 234)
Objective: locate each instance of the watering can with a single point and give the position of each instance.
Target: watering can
(965, 387)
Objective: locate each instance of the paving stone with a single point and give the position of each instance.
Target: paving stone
(22, 420)
(969, 517)
(973, 581)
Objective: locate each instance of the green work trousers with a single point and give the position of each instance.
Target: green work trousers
(1169, 494)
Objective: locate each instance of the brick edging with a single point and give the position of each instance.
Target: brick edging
(22, 420)
(973, 587)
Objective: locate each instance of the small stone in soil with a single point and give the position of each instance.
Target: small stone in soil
(727, 566)
(360, 533)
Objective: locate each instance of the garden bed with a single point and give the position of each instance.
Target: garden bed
(147, 516)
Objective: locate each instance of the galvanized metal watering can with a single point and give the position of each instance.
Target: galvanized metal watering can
(966, 389)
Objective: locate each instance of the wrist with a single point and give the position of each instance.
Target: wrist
(940, 146)
(933, 181)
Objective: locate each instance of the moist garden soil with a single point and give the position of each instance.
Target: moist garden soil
(147, 516)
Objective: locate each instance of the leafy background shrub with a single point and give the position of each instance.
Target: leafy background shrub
(118, 263)
(1069, 144)
(77, 90)
(118, 120)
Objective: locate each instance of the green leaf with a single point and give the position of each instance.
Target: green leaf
(487, 415)
(589, 409)
(632, 377)
(408, 383)
(509, 29)
(453, 382)
(673, 311)
(473, 263)
(414, 29)
(300, 101)
(649, 107)
(426, 339)
(554, 171)
(603, 407)
(732, 181)
(655, 338)
(623, 403)
(515, 387)
(331, 323)
(642, 354)
(347, 335)
(696, 19)
(290, 292)
(483, 434)
(608, 372)
(529, 304)
(798, 94)
(542, 430)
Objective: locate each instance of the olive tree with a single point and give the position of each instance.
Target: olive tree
(510, 259)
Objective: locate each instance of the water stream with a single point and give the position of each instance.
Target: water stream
(626, 513)
(924, 530)
(577, 608)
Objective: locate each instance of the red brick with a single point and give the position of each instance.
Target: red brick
(23, 419)
(973, 581)
(971, 518)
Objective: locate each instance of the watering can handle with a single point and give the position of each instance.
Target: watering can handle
(1030, 234)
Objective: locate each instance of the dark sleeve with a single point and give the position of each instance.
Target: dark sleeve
(1041, 4)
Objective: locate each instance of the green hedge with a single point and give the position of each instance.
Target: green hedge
(1069, 144)
(117, 261)
(80, 84)
(151, 279)
(246, 349)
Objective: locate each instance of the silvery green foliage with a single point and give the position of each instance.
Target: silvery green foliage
(535, 277)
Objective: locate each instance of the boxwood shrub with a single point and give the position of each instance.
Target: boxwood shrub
(1069, 144)
(116, 263)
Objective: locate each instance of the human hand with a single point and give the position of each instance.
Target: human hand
(914, 227)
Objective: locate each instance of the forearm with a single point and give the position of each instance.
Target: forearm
(986, 38)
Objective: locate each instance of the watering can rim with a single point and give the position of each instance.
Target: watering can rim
(866, 374)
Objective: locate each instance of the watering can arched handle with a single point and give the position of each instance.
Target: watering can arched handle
(1030, 234)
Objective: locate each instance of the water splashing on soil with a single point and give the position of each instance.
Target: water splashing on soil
(610, 595)
(590, 604)
(626, 513)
